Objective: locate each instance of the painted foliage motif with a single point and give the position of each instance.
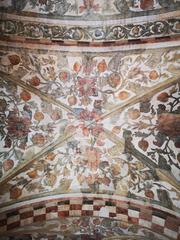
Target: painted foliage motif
(87, 228)
(90, 7)
(121, 143)
(89, 162)
(9, 27)
(90, 84)
(27, 126)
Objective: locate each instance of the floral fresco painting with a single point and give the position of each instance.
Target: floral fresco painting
(65, 115)
(89, 120)
(89, 7)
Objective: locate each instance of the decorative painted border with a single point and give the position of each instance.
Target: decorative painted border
(41, 46)
(133, 212)
(121, 11)
(91, 22)
(33, 30)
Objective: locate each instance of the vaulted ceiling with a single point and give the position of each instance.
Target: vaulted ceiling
(89, 119)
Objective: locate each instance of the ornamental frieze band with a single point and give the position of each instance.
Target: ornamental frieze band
(80, 33)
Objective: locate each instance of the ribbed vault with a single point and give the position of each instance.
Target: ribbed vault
(89, 107)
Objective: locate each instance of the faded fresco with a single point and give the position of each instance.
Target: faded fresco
(89, 20)
(80, 228)
(101, 123)
(89, 120)
(78, 99)
(94, 8)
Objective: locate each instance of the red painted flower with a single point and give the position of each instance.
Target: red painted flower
(38, 139)
(88, 5)
(18, 127)
(169, 124)
(93, 156)
(26, 96)
(96, 130)
(146, 4)
(91, 179)
(89, 116)
(86, 87)
(41, 2)
(85, 115)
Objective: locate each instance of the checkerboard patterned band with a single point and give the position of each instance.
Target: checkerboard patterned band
(156, 219)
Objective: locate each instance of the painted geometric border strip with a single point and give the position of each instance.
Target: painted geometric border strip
(107, 33)
(145, 216)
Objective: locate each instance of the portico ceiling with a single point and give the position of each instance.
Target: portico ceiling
(89, 119)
